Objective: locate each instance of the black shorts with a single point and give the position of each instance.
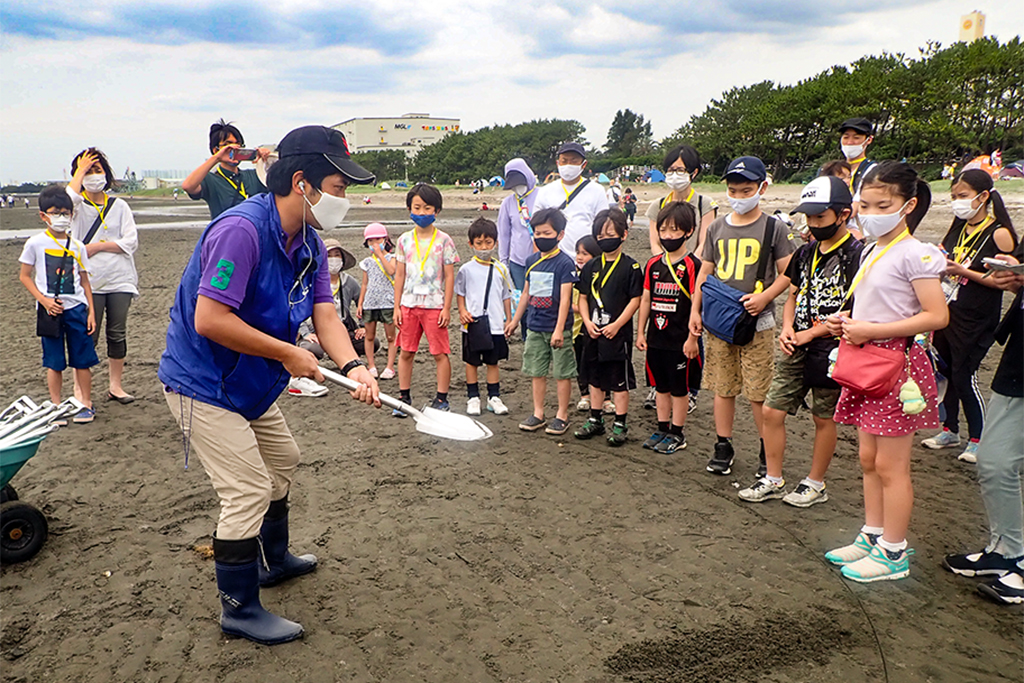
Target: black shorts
(667, 370)
(608, 376)
(478, 358)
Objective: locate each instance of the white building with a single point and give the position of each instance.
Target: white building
(409, 132)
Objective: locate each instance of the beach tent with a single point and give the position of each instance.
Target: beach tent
(401, 183)
(602, 178)
(654, 176)
(385, 186)
(1012, 170)
(983, 162)
(497, 181)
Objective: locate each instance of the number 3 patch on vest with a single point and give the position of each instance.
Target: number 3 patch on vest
(222, 278)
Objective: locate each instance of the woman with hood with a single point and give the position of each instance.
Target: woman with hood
(515, 237)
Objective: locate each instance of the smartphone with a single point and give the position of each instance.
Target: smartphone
(243, 154)
(996, 264)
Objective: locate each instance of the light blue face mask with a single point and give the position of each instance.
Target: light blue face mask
(423, 220)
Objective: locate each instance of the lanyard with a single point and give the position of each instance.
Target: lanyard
(594, 286)
(967, 239)
(497, 266)
(430, 247)
(816, 257)
(381, 266)
(867, 266)
(524, 209)
(336, 288)
(672, 270)
(542, 258)
(668, 198)
(100, 210)
(64, 249)
(239, 188)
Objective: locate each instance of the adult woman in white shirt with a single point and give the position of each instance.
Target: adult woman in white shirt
(110, 245)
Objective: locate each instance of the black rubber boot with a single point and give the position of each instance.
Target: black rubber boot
(278, 564)
(242, 614)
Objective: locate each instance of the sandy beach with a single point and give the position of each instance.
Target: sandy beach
(522, 558)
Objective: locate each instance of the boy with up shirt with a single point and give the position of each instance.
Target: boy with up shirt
(665, 315)
(54, 269)
(732, 254)
(820, 274)
(424, 286)
(483, 294)
(546, 302)
(610, 291)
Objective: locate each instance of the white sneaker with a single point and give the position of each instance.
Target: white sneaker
(944, 439)
(584, 405)
(763, 490)
(473, 406)
(970, 453)
(373, 372)
(805, 495)
(304, 386)
(495, 405)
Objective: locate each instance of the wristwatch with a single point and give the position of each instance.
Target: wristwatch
(352, 365)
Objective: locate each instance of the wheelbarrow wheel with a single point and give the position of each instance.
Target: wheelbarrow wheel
(23, 531)
(8, 493)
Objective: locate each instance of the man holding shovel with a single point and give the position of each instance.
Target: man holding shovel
(258, 271)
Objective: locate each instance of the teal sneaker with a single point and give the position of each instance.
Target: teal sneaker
(970, 453)
(857, 550)
(879, 566)
(594, 426)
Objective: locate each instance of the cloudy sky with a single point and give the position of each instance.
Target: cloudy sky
(143, 80)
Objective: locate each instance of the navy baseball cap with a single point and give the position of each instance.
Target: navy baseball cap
(824, 193)
(331, 143)
(858, 124)
(572, 147)
(749, 168)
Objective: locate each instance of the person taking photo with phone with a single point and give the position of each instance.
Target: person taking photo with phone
(217, 181)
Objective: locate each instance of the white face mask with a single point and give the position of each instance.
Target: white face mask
(677, 181)
(742, 206)
(59, 223)
(520, 190)
(334, 265)
(95, 182)
(852, 151)
(964, 208)
(569, 172)
(879, 224)
(329, 211)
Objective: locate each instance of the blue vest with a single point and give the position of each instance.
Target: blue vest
(248, 385)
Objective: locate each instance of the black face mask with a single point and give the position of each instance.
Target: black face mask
(609, 244)
(672, 243)
(825, 232)
(545, 244)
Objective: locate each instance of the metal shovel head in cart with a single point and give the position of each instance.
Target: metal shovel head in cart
(429, 420)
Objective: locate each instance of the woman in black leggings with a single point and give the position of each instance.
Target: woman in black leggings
(981, 229)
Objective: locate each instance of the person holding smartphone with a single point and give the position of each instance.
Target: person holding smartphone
(217, 181)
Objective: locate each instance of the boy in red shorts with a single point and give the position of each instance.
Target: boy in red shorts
(424, 286)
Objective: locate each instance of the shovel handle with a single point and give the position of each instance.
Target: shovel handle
(352, 385)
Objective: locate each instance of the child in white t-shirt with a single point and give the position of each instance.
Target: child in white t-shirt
(482, 289)
(54, 269)
(377, 295)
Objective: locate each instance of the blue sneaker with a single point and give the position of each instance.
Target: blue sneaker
(879, 565)
(944, 439)
(398, 413)
(84, 416)
(438, 404)
(654, 439)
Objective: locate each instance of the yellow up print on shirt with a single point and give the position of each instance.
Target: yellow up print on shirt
(735, 256)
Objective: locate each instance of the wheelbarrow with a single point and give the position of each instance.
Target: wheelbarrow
(23, 426)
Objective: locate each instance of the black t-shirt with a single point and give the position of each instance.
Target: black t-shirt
(625, 282)
(975, 308)
(667, 326)
(822, 294)
(1009, 379)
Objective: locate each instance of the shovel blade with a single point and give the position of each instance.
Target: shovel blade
(451, 426)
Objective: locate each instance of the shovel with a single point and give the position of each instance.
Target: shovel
(429, 420)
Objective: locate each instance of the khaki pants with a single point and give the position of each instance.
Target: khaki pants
(249, 463)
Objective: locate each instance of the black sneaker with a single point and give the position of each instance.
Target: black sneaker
(650, 402)
(1007, 589)
(721, 462)
(692, 404)
(618, 435)
(980, 564)
(671, 444)
(440, 404)
(592, 427)
(654, 439)
(762, 467)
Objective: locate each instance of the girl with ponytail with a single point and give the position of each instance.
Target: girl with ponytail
(896, 295)
(981, 229)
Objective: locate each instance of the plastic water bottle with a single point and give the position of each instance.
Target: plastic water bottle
(833, 356)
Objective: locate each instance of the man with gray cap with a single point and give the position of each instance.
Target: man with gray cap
(819, 274)
(578, 198)
(259, 270)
